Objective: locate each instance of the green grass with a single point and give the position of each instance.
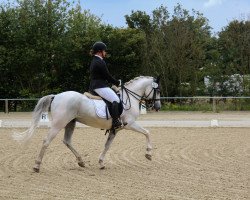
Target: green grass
(228, 105)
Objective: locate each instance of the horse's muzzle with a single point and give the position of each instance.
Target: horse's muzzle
(157, 105)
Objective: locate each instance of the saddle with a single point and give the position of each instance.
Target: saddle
(102, 106)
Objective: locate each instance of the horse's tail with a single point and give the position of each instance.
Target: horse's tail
(42, 106)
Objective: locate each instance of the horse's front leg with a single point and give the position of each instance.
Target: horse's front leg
(110, 139)
(136, 127)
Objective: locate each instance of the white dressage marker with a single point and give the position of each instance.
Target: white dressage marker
(44, 117)
(1, 123)
(214, 123)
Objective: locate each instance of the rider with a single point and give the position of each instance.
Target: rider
(100, 77)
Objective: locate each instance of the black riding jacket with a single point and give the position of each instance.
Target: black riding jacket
(99, 74)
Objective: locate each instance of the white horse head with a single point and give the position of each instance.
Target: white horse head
(144, 88)
(70, 107)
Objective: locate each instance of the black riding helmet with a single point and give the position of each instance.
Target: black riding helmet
(99, 46)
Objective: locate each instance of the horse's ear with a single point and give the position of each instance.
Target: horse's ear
(158, 79)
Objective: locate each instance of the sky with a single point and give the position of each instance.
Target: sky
(218, 12)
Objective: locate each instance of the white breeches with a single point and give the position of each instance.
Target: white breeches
(108, 94)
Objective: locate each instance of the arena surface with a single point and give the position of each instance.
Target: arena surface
(188, 163)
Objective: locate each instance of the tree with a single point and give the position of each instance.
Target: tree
(72, 61)
(44, 47)
(175, 47)
(234, 47)
(124, 52)
(8, 85)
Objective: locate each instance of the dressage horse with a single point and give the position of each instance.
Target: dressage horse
(70, 107)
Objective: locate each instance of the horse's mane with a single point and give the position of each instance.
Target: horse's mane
(137, 78)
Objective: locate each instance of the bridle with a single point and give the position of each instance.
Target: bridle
(151, 102)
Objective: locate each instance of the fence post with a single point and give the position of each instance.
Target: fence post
(214, 105)
(6, 106)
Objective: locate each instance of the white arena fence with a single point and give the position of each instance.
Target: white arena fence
(9, 105)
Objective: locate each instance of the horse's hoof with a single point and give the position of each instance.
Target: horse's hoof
(81, 164)
(102, 167)
(149, 157)
(35, 169)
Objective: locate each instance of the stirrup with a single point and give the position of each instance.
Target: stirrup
(116, 124)
(113, 129)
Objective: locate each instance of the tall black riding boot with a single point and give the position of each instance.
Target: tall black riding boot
(116, 123)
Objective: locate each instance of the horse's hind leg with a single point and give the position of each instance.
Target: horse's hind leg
(47, 140)
(67, 141)
(110, 139)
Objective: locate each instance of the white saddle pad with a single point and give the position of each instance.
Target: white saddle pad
(100, 108)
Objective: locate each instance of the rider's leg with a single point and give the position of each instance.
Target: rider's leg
(109, 95)
(115, 115)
